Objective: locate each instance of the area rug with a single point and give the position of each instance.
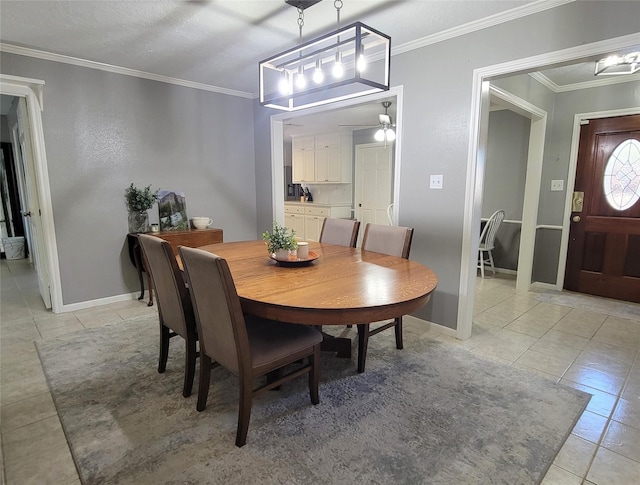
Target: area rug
(429, 413)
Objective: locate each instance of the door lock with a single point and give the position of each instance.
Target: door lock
(576, 201)
(575, 218)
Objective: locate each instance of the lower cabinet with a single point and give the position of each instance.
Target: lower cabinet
(307, 220)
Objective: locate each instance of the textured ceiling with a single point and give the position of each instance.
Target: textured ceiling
(220, 42)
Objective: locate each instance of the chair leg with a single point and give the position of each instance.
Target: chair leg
(398, 329)
(493, 268)
(314, 375)
(203, 384)
(481, 257)
(363, 342)
(189, 366)
(164, 348)
(244, 411)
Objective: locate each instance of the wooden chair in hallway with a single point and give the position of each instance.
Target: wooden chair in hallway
(249, 347)
(174, 305)
(394, 241)
(487, 241)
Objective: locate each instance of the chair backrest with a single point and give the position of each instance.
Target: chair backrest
(172, 295)
(342, 232)
(221, 326)
(488, 234)
(390, 214)
(391, 240)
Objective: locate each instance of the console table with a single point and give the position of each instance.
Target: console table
(193, 238)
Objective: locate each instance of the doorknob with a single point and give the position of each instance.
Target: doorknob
(575, 218)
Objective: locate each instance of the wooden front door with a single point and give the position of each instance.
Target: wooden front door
(604, 240)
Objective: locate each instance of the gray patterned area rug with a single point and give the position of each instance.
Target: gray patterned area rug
(427, 414)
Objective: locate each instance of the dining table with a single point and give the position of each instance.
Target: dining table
(336, 285)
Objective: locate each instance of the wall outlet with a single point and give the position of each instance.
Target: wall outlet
(557, 185)
(435, 182)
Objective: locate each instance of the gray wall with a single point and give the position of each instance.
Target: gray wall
(104, 131)
(436, 123)
(5, 135)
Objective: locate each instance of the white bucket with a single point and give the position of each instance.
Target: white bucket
(13, 247)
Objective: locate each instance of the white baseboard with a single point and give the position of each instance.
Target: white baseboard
(102, 301)
(538, 285)
(436, 327)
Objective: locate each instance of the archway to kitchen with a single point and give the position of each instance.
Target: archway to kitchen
(278, 133)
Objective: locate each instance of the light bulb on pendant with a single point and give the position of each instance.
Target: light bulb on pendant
(301, 81)
(338, 70)
(361, 64)
(318, 75)
(284, 86)
(379, 136)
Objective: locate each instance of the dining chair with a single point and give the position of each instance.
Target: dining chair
(247, 346)
(342, 232)
(175, 310)
(487, 241)
(394, 241)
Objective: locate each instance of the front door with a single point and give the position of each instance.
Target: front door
(604, 240)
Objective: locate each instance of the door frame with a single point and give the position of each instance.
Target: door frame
(32, 91)
(571, 180)
(277, 148)
(478, 127)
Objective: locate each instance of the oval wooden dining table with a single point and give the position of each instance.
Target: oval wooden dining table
(342, 286)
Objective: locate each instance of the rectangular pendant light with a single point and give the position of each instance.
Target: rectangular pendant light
(354, 60)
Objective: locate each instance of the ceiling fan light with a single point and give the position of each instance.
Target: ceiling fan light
(379, 136)
(391, 135)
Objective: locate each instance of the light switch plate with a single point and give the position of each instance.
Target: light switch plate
(557, 185)
(435, 182)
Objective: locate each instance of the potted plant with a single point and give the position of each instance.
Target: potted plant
(139, 201)
(280, 242)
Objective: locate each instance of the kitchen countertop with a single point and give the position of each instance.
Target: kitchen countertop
(316, 204)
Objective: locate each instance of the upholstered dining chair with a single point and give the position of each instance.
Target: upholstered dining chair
(487, 241)
(249, 347)
(174, 305)
(394, 241)
(342, 232)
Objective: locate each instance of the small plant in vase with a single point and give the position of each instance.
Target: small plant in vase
(281, 241)
(139, 201)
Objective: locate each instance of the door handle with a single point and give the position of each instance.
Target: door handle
(27, 214)
(575, 218)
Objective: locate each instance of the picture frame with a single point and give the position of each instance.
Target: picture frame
(172, 209)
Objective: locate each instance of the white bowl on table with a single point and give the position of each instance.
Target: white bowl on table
(201, 222)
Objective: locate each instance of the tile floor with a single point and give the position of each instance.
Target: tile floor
(587, 343)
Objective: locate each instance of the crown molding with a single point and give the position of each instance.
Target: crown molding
(596, 83)
(491, 21)
(75, 61)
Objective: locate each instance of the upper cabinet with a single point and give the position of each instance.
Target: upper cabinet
(323, 158)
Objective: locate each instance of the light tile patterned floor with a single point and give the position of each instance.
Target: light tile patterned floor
(587, 343)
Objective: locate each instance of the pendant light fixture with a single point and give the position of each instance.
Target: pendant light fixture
(350, 61)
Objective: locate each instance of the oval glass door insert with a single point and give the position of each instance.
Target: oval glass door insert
(621, 177)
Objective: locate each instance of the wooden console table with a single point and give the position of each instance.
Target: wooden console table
(193, 238)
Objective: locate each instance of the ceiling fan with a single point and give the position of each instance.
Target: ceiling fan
(385, 123)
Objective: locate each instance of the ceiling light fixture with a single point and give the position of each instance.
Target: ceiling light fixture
(617, 65)
(357, 58)
(385, 133)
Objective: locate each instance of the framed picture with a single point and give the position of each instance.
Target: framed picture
(172, 207)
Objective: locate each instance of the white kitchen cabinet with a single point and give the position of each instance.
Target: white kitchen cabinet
(323, 158)
(306, 219)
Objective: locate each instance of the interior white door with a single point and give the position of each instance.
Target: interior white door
(30, 202)
(374, 190)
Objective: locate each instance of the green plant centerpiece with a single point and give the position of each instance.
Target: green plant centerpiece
(139, 201)
(280, 241)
